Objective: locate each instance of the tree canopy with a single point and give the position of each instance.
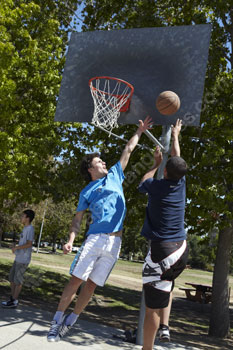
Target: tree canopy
(33, 39)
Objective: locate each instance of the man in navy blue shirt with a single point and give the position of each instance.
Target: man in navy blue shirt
(164, 226)
(96, 258)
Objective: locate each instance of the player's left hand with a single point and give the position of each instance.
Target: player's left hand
(146, 125)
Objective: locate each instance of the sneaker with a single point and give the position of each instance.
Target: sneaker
(10, 304)
(164, 334)
(64, 328)
(53, 334)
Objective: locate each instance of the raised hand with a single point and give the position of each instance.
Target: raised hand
(176, 129)
(146, 124)
(158, 156)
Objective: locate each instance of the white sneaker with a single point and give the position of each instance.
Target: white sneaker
(64, 328)
(164, 334)
(53, 334)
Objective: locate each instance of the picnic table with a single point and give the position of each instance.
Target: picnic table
(199, 292)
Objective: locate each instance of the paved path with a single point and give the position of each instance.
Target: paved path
(26, 329)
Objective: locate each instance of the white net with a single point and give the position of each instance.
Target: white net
(110, 97)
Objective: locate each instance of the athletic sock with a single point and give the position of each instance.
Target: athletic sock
(71, 319)
(58, 317)
(15, 301)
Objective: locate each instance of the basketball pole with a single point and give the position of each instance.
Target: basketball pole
(41, 227)
(148, 134)
(154, 140)
(165, 140)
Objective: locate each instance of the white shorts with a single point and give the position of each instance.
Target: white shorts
(96, 258)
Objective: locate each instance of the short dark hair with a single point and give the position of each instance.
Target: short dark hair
(176, 168)
(86, 164)
(29, 214)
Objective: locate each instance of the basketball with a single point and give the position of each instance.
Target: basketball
(168, 103)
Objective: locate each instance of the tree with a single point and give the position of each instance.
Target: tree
(208, 149)
(58, 217)
(202, 251)
(33, 38)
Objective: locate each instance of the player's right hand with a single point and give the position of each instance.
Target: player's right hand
(146, 124)
(177, 128)
(67, 248)
(158, 156)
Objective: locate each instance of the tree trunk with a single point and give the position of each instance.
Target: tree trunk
(54, 247)
(1, 235)
(1, 229)
(14, 238)
(220, 317)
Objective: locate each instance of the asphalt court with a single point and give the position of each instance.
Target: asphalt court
(26, 328)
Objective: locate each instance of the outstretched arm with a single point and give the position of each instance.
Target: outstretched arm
(74, 229)
(158, 157)
(143, 126)
(175, 141)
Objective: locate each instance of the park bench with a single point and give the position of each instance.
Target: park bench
(199, 293)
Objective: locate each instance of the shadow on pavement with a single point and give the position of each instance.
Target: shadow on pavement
(16, 324)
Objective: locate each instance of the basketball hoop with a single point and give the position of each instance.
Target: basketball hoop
(111, 97)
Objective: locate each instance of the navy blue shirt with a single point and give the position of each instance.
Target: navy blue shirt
(165, 210)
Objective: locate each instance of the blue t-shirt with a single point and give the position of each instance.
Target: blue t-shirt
(165, 210)
(105, 199)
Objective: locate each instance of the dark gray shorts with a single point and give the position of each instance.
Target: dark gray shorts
(17, 272)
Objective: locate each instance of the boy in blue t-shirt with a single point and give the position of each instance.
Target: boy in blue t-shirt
(164, 226)
(97, 256)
